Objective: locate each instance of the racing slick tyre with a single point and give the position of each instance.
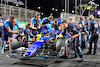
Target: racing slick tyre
(63, 47)
(59, 44)
(19, 42)
(15, 44)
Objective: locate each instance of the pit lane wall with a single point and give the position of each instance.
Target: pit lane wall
(66, 16)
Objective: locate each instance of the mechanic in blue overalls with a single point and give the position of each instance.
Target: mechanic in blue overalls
(65, 34)
(67, 29)
(47, 22)
(28, 29)
(70, 30)
(7, 30)
(94, 35)
(78, 41)
(86, 27)
(86, 23)
(36, 22)
(81, 21)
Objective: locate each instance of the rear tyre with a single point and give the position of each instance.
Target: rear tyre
(65, 49)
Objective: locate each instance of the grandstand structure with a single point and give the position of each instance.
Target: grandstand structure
(21, 14)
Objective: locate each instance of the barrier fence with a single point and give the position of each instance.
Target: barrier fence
(21, 14)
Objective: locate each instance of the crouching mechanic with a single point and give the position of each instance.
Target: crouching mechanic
(7, 30)
(28, 29)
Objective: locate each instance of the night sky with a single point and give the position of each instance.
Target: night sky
(46, 5)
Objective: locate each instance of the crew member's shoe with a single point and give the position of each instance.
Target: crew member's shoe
(94, 54)
(75, 57)
(82, 59)
(7, 55)
(88, 52)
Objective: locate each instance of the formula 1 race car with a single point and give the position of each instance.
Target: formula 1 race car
(47, 46)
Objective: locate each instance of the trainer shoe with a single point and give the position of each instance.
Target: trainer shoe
(7, 55)
(82, 59)
(88, 52)
(94, 54)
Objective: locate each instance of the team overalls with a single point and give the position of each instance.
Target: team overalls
(36, 24)
(78, 51)
(86, 27)
(82, 22)
(71, 30)
(78, 42)
(65, 32)
(47, 23)
(74, 31)
(86, 24)
(5, 33)
(94, 35)
(27, 31)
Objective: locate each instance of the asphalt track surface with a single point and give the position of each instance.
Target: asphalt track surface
(89, 61)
